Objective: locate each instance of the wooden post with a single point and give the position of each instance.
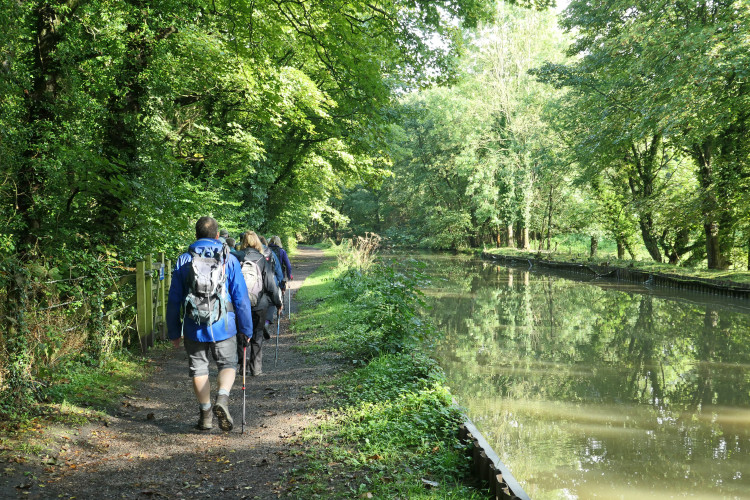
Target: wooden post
(163, 296)
(141, 313)
(156, 284)
(149, 298)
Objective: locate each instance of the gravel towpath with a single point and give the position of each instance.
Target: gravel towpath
(148, 448)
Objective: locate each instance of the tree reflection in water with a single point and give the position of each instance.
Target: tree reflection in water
(598, 389)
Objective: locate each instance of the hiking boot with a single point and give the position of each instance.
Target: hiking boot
(266, 333)
(221, 410)
(205, 420)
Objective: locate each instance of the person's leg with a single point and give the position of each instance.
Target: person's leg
(202, 389)
(255, 359)
(226, 379)
(270, 313)
(198, 371)
(225, 354)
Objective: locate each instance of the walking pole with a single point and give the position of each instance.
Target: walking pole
(278, 326)
(289, 295)
(244, 370)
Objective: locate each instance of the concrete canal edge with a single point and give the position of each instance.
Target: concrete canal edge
(685, 283)
(487, 466)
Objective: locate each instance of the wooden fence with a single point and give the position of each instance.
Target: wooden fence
(152, 280)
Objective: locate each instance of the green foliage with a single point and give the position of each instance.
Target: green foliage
(390, 302)
(123, 122)
(395, 424)
(636, 132)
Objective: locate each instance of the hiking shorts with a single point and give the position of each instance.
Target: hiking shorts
(224, 353)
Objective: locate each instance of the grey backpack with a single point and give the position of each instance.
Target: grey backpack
(205, 303)
(253, 274)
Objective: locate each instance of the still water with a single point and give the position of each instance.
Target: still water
(594, 389)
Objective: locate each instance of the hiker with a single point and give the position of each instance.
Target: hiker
(269, 295)
(234, 250)
(277, 272)
(223, 234)
(283, 257)
(231, 243)
(207, 281)
(278, 276)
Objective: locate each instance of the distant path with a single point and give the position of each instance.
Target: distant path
(149, 448)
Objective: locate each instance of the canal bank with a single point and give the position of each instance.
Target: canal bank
(675, 281)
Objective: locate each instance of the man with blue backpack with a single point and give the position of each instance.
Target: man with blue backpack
(208, 305)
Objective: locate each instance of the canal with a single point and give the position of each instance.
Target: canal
(597, 389)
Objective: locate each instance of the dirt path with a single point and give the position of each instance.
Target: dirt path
(150, 449)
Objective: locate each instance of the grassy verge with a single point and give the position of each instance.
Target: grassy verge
(736, 276)
(392, 433)
(72, 395)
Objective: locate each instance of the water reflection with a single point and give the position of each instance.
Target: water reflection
(598, 390)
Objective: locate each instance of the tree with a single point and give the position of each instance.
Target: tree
(655, 66)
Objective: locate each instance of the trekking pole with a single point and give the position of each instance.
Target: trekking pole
(289, 295)
(278, 327)
(244, 370)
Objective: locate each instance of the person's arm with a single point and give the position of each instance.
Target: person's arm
(176, 296)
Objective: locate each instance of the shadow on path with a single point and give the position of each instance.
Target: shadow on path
(150, 449)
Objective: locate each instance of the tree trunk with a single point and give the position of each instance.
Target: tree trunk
(39, 104)
(594, 246)
(641, 182)
(649, 239)
(703, 155)
(620, 249)
(549, 219)
(525, 238)
(509, 233)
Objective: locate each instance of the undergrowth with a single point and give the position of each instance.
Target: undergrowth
(393, 433)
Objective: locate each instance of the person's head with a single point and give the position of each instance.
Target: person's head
(231, 242)
(250, 240)
(263, 240)
(206, 227)
(276, 241)
(223, 233)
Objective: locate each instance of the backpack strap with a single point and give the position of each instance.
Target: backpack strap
(223, 303)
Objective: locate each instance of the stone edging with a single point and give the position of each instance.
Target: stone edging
(704, 285)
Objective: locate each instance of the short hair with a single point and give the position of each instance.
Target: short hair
(250, 239)
(263, 240)
(224, 233)
(206, 227)
(231, 242)
(276, 241)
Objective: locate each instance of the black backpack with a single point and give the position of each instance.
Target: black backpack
(205, 302)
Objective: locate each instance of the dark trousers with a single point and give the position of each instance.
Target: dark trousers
(255, 349)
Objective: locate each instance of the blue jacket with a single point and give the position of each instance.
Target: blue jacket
(241, 319)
